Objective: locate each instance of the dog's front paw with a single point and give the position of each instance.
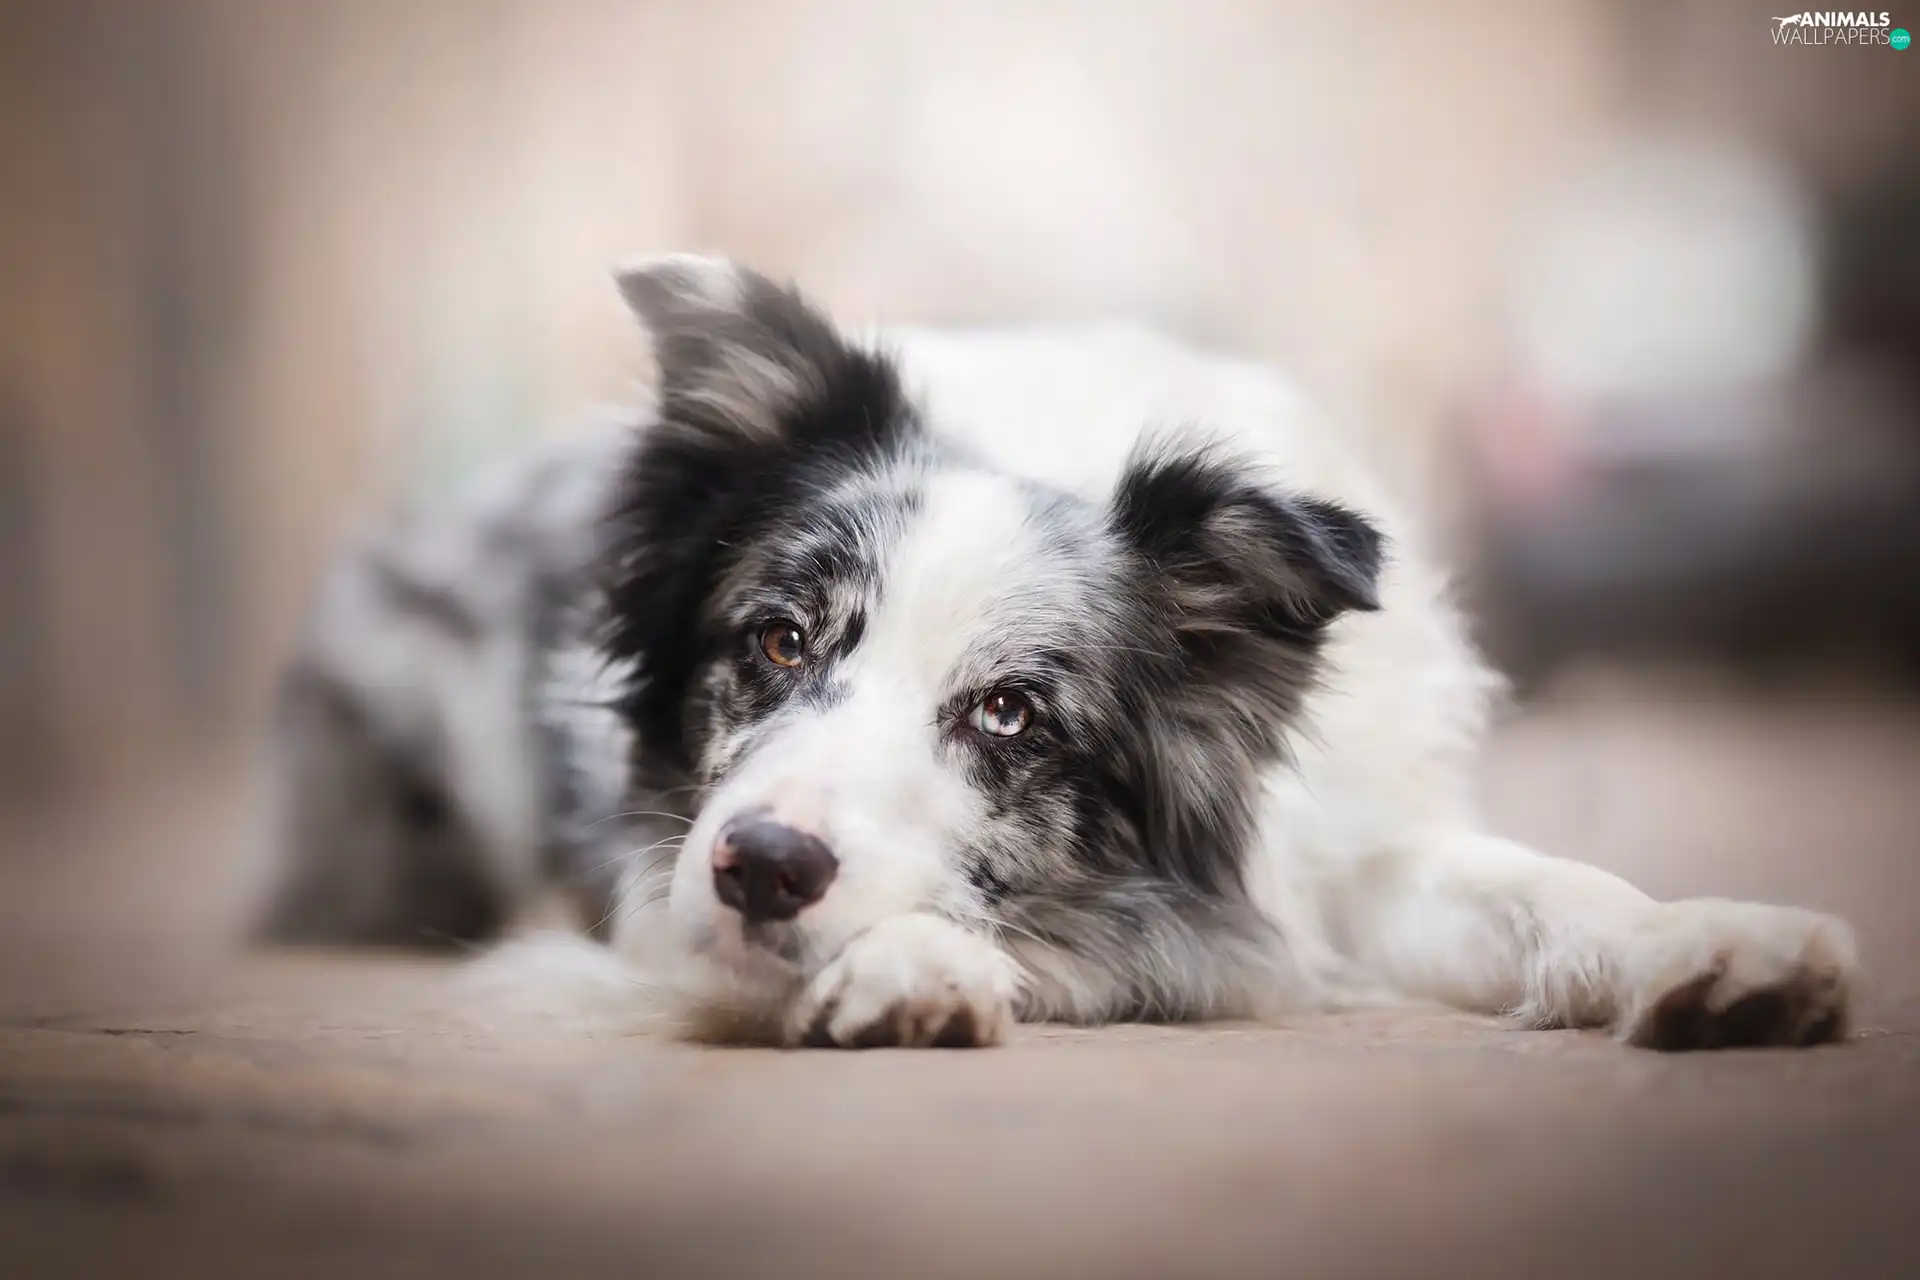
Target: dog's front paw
(1707, 974)
(914, 981)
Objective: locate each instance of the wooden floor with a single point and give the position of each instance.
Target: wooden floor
(168, 1111)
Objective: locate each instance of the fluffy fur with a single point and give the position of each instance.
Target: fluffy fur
(1114, 685)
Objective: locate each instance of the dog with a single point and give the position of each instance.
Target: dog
(894, 689)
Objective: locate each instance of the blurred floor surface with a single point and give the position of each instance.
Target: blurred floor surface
(296, 1115)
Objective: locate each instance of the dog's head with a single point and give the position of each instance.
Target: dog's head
(900, 680)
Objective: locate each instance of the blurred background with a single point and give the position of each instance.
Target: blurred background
(1626, 294)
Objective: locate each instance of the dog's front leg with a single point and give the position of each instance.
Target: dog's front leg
(1482, 923)
(916, 981)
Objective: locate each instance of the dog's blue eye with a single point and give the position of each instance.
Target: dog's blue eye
(1002, 714)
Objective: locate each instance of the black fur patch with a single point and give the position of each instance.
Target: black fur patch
(708, 479)
(1235, 555)
(1230, 590)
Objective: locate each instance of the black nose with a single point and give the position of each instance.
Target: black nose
(766, 870)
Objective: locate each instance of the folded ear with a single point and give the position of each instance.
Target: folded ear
(740, 355)
(1234, 556)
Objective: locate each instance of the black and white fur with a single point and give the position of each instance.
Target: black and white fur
(1239, 781)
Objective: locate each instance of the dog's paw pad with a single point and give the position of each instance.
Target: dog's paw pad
(1723, 975)
(914, 982)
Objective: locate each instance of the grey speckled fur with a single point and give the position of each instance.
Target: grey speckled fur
(417, 797)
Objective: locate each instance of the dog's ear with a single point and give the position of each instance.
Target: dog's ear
(1229, 554)
(742, 358)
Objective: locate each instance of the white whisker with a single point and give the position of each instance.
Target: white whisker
(641, 813)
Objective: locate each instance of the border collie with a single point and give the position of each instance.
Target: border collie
(891, 692)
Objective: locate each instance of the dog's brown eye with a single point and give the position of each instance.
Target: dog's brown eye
(1002, 714)
(783, 644)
